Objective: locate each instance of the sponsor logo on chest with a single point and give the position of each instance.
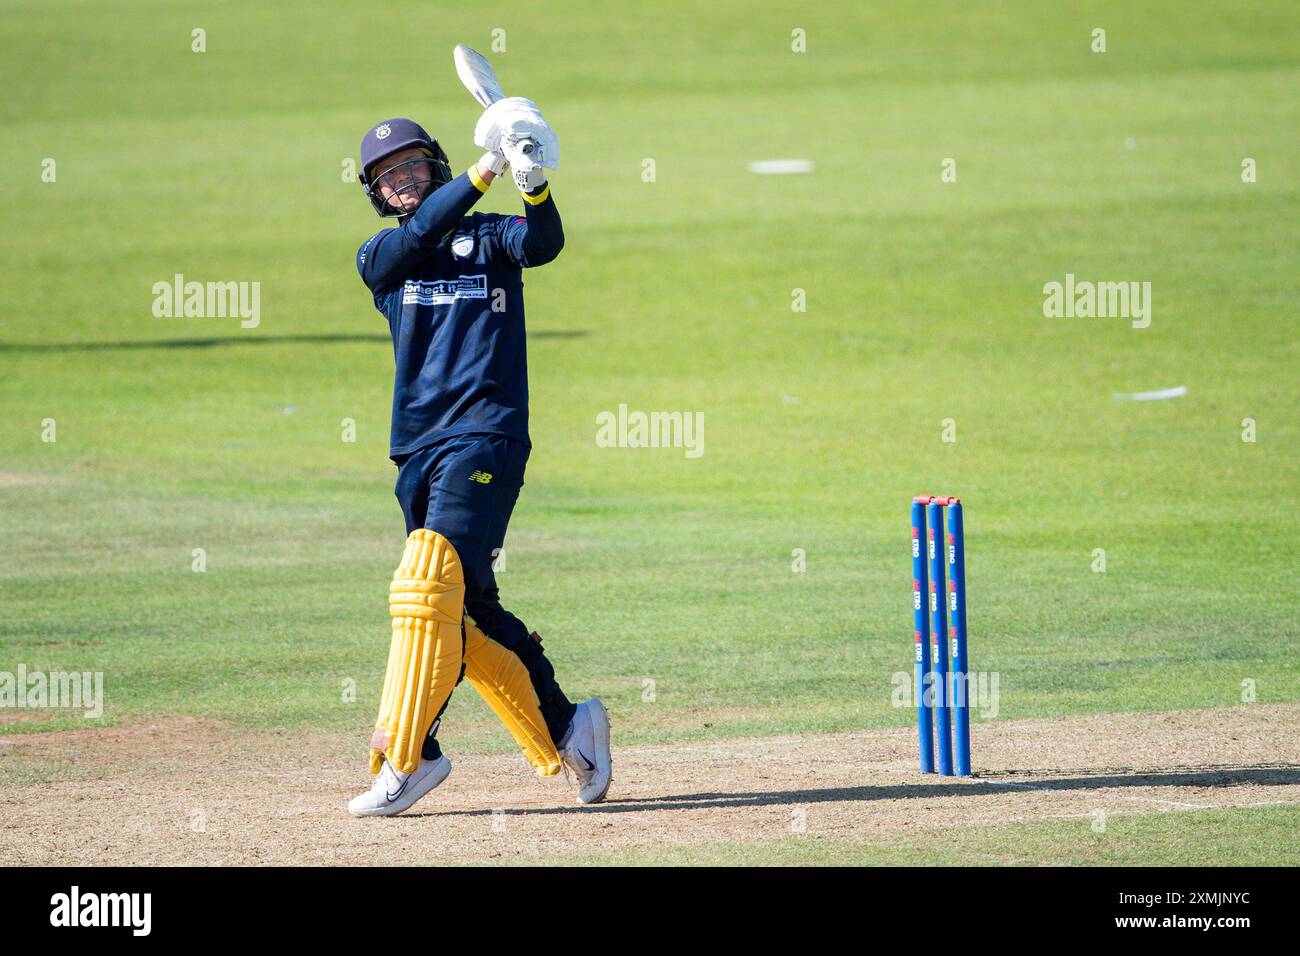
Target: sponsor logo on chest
(444, 291)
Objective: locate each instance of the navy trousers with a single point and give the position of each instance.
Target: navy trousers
(465, 488)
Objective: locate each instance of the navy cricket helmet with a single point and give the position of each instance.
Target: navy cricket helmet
(421, 175)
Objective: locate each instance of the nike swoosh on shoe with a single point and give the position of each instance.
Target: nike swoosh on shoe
(393, 796)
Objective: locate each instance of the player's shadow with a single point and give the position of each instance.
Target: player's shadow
(980, 785)
(239, 340)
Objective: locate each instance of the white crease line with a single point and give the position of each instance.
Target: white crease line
(783, 742)
(1264, 803)
(1170, 803)
(1012, 783)
(1139, 813)
(791, 747)
(1098, 790)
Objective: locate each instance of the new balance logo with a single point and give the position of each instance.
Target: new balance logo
(482, 477)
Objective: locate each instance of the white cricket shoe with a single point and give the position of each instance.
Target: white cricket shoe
(586, 750)
(394, 791)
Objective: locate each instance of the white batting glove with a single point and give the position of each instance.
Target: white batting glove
(514, 121)
(487, 131)
(494, 161)
(492, 124)
(529, 179)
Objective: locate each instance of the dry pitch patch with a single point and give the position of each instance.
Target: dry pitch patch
(185, 791)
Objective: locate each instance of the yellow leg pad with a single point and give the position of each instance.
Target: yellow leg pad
(502, 679)
(427, 601)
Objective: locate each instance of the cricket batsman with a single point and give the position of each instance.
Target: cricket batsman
(449, 282)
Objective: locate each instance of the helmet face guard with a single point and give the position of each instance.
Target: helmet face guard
(418, 176)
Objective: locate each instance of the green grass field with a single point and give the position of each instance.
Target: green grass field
(924, 304)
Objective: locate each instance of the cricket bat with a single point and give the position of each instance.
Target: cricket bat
(481, 80)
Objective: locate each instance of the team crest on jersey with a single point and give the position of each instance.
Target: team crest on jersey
(461, 246)
(444, 291)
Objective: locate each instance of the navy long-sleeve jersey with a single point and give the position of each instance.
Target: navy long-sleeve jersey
(451, 287)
